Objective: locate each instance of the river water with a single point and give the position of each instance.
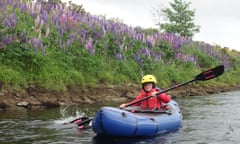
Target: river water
(213, 119)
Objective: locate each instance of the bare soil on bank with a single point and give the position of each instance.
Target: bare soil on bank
(37, 97)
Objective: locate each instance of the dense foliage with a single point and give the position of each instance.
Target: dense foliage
(53, 45)
(180, 19)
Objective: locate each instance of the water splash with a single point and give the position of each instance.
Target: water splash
(68, 114)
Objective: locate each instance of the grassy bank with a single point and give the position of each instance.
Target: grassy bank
(54, 46)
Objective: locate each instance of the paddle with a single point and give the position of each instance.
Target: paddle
(78, 120)
(81, 122)
(206, 75)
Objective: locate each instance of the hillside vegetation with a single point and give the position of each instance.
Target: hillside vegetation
(52, 45)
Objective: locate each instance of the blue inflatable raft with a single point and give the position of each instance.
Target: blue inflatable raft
(110, 121)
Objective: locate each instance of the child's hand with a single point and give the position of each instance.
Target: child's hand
(122, 106)
(155, 93)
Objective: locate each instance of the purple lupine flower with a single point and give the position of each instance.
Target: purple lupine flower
(49, 7)
(35, 43)
(71, 39)
(101, 32)
(178, 55)
(5, 40)
(14, 38)
(138, 57)
(44, 16)
(89, 46)
(32, 13)
(7, 2)
(186, 58)
(149, 43)
(80, 40)
(37, 21)
(118, 56)
(6, 22)
(83, 33)
(15, 4)
(23, 35)
(55, 20)
(1, 4)
(121, 32)
(13, 20)
(23, 7)
(71, 23)
(10, 21)
(145, 52)
(63, 18)
(37, 6)
(158, 56)
(140, 36)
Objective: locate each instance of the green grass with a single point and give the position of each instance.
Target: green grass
(55, 65)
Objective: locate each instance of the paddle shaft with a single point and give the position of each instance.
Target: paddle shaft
(206, 75)
(171, 88)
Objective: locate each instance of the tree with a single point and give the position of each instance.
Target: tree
(180, 19)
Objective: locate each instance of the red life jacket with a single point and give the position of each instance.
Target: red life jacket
(153, 102)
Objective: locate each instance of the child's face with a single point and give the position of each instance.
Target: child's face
(148, 86)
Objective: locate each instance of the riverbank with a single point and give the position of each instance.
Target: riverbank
(38, 98)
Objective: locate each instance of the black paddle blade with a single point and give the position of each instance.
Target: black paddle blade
(84, 124)
(78, 120)
(210, 74)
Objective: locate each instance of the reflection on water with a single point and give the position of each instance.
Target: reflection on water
(206, 119)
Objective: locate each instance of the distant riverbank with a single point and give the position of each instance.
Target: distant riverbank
(36, 97)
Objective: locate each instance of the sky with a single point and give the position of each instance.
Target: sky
(219, 21)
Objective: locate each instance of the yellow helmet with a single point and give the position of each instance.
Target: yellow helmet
(148, 78)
